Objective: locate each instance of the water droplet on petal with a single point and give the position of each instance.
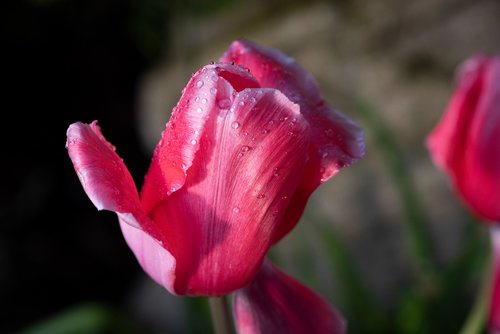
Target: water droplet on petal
(193, 141)
(261, 196)
(213, 90)
(252, 100)
(235, 125)
(242, 103)
(275, 172)
(204, 100)
(199, 84)
(329, 133)
(224, 103)
(197, 99)
(284, 197)
(236, 209)
(199, 110)
(214, 78)
(245, 148)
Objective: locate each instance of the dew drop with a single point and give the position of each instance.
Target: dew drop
(275, 172)
(329, 133)
(284, 197)
(213, 90)
(245, 148)
(193, 141)
(324, 155)
(199, 84)
(197, 99)
(214, 78)
(242, 103)
(224, 103)
(261, 196)
(235, 125)
(236, 209)
(204, 100)
(199, 110)
(252, 100)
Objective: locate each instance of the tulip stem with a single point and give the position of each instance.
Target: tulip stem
(475, 322)
(221, 317)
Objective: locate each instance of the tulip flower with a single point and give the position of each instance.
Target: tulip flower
(466, 144)
(248, 142)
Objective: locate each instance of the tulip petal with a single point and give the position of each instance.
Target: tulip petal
(336, 142)
(109, 185)
(276, 303)
(220, 223)
(175, 152)
(104, 176)
(466, 141)
(156, 261)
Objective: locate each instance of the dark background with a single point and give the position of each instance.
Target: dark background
(64, 61)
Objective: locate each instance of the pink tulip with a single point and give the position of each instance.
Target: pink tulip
(276, 303)
(230, 176)
(466, 142)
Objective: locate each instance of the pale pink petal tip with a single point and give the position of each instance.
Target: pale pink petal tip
(155, 260)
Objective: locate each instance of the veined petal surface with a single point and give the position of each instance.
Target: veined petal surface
(220, 223)
(336, 140)
(104, 176)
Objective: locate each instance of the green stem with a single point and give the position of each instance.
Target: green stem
(474, 324)
(221, 316)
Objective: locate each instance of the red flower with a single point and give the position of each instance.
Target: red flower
(466, 142)
(246, 145)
